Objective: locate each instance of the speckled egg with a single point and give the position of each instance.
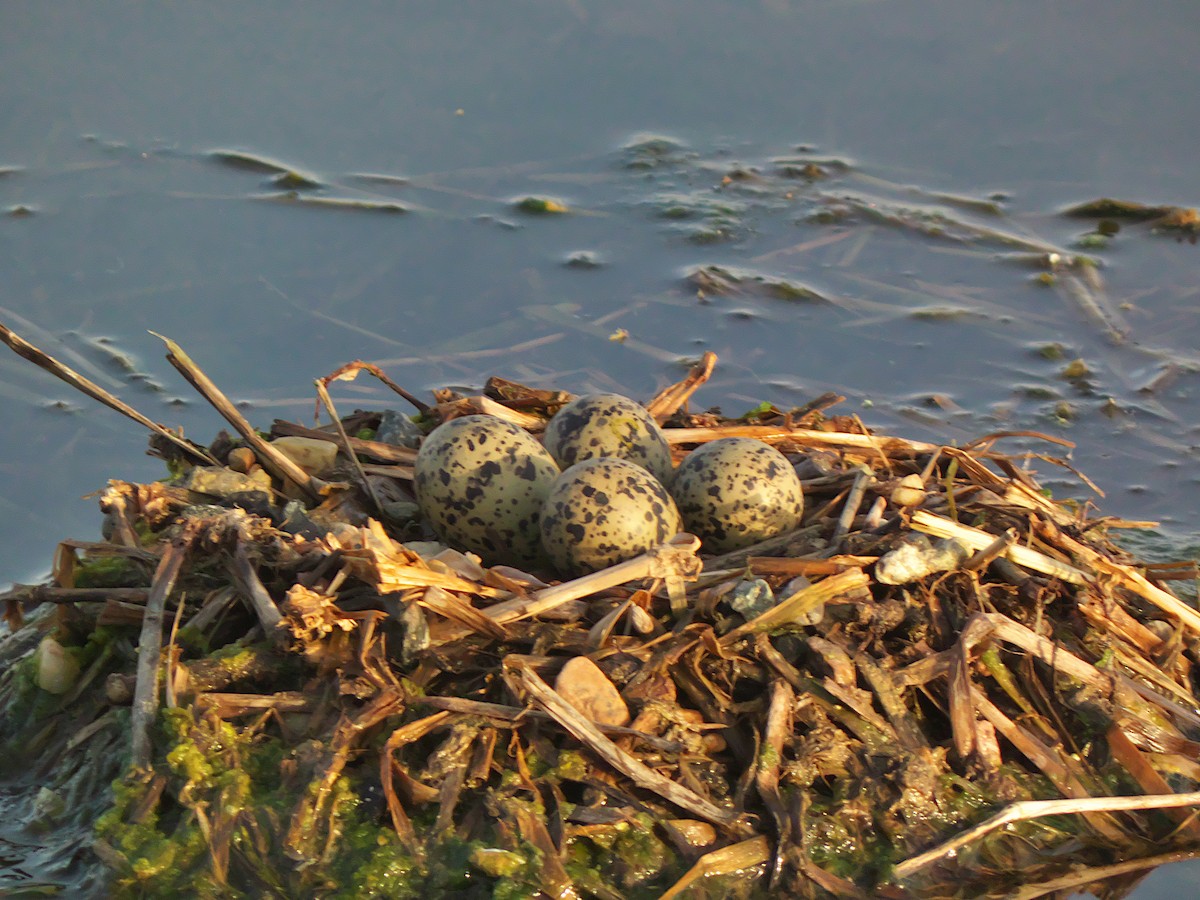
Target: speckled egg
(735, 492)
(480, 483)
(598, 425)
(604, 511)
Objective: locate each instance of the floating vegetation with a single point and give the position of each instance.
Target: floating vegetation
(349, 203)
(295, 181)
(943, 313)
(1185, 220)
(541, 205)
(250, 162)
(584, 259)
(721, 280)
(701, 217)
(811, 168)
(940, 683)
(646, 152)
(284, 177)
(1107, 208)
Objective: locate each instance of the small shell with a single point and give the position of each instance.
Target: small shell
(604, 511)
(909, 491)
(481, 482)
(735, 492)
(598, 425)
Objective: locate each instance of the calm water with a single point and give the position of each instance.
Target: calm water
(113, 114)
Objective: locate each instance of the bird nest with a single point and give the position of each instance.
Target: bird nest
(942, 684)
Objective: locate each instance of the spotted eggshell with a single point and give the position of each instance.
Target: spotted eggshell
(480, 483)
(598, 425)
(604, 511)
(735, 492)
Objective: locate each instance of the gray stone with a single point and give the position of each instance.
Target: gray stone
(751, 598)
(398, 429)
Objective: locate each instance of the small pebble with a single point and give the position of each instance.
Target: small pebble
(398, 429)
(118, 689)
(311, 454)
(584, 686)
(909, 491)
(751, 598)
(240, 459)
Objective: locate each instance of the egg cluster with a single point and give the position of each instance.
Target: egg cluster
(595, 491)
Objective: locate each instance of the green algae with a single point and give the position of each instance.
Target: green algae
(627, 857)
(110, 571)
(237, 661)
(651, 152)
(218, 772)
(541, 205)
(498, 863)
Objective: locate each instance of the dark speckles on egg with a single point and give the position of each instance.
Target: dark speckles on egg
(735, 492)
(600, 425)
(603, 511)
(480, 482)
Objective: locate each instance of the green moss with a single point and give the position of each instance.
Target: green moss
(768, 757)
(167, 851)
(1036, 392)
(1076, 369)
(538, 767)
(641, 853)
(448, 872)
(1053, 351)
(372, 863)
(156, 857)
(626, 857)
(572, 766)
(189, 762)
(496, 862)
(766, 408)
(100, 643)
(193, 641)
(110, 572)
(1092, 241)
(541, 205)
(237, 661)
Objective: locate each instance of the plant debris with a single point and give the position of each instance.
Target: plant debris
(941, 684)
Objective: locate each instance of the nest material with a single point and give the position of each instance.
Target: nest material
(852, 708)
